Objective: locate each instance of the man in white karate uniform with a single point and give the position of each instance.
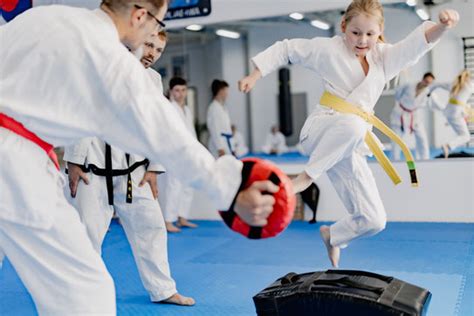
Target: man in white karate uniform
(176, 197)
(126, 184)
(78, 81)
(218, 120)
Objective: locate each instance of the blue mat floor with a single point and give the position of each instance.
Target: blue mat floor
(223, 270)
(297, 158)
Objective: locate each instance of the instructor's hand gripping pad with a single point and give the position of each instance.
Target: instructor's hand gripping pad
(255, 169)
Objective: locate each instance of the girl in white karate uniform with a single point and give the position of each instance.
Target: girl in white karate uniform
(355, 68)
(455, 111)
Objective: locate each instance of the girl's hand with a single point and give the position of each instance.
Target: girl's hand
(247, 83)
(449, 18)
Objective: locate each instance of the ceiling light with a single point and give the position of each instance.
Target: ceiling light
(228, 34)
(194, 27)
(320, 24)
(411, 3)
(297, 16)
(422, 14)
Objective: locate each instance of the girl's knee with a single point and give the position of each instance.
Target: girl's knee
(377, 224)
(372, 224)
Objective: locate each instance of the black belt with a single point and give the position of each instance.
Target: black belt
(109, 173)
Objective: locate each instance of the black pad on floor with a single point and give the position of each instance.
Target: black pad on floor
(341, 292)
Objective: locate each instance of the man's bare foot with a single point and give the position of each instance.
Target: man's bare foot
(183, 222)
(333, 252)
(446, 151)
(179, 299)
(171, 228)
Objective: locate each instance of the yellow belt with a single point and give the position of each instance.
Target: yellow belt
(343, 106)
(456, 102)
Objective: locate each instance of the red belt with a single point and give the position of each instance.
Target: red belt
(411, 118)
(18, 128)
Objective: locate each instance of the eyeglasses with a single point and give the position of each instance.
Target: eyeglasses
(161, 25)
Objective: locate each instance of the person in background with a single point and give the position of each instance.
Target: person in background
(175, 197)
(275, 143)
(218, 120)
(238, 143)
(407, 117)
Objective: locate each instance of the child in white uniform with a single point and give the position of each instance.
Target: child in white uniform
(355, 68)
(455, 111)
(275, 143)
(238, 143)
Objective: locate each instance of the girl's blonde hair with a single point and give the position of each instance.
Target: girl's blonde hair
(367, 7)
(460, 82)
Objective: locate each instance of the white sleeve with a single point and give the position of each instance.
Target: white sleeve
(156, 167)
(155, 75)
(159, 84)
(143, 121)
(296, 51)
(406, 52)
(77, 153)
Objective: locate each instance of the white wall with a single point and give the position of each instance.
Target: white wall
(233, 69)
(444, 195)
(204, 64)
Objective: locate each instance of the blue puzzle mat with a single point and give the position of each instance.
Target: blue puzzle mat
(223, 270)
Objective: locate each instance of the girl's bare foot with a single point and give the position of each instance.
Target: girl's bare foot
(333, 252)
(179, 299)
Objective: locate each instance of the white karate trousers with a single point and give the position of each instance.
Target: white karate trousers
(334, 143)
(455, 116)
(142, 222)
(175, 198)
(43, 238)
